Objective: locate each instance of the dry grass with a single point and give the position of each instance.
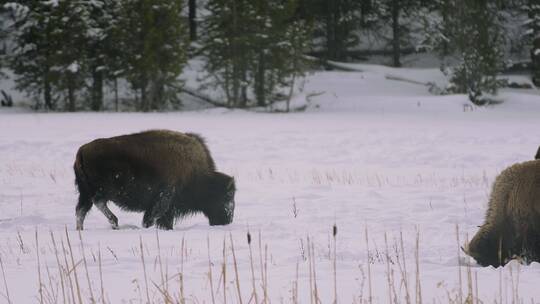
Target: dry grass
(253, 284)
(237, 278)
(210, 279)
(359, 177)
(60, 283)
(6, 288)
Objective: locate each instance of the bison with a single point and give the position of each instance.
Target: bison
(537, 154)
(164, 174)
(512, 225)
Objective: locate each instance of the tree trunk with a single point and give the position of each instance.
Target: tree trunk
(235, 85)
(291, 92)
(330, 31)
(116, 94)
(71, 93)
(192, 20)
(97, 90)
(47, 95)
(337, 28)
(47, 89)
(243, 87)
(396, 33)
(261, 81)
(534, 15)
(236, 70)
(157, 89)
(535, 56)
(445, 10)
(244, 100)
(144, 106)
(227, 82)
(365, 9)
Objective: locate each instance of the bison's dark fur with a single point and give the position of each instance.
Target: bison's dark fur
(537, 154)
(512, 224)
(164, 174)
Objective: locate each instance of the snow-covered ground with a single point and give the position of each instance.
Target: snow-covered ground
(368, 154)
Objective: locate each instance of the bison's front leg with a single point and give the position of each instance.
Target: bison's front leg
(102, 206)
(162, 212)
(148, 219)
(166, 221)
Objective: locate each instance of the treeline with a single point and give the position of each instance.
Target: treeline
(474, 39)
(66, 54)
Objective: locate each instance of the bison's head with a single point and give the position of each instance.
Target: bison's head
(488, 248)
(220, 209)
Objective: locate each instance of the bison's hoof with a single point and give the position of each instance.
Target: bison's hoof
(115, 227)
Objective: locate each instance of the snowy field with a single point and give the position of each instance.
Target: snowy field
(369, 154)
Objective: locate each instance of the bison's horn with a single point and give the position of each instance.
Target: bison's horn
(465, 249)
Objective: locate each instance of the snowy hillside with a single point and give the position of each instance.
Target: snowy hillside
(369, 154)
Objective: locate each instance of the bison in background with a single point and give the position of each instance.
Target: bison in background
(537, 154)
(162, 173)
(512, 224)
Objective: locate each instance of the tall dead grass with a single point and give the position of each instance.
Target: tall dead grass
(402, 272)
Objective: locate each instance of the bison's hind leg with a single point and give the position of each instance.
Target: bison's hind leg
(83, 206)
(102, 206)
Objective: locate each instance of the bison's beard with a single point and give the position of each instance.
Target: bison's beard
(222, 215)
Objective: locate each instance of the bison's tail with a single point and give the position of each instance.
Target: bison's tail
(201, 140)
(80, 176)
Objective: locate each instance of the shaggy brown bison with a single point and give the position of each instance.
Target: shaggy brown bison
(512, 224)
(164, 174)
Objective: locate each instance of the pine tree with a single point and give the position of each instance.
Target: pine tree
(297, 39)
(192, 16)
(278, 43)
(253, 49)
(532, 8)
(439, 23)
(225, 48)
(69, 55)
(399, 14)
(4, 32)
(153, 49)
(336, 22)
(34, 59)
(478, 44)
(49, 54)
(112, 52)
(102, 55)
